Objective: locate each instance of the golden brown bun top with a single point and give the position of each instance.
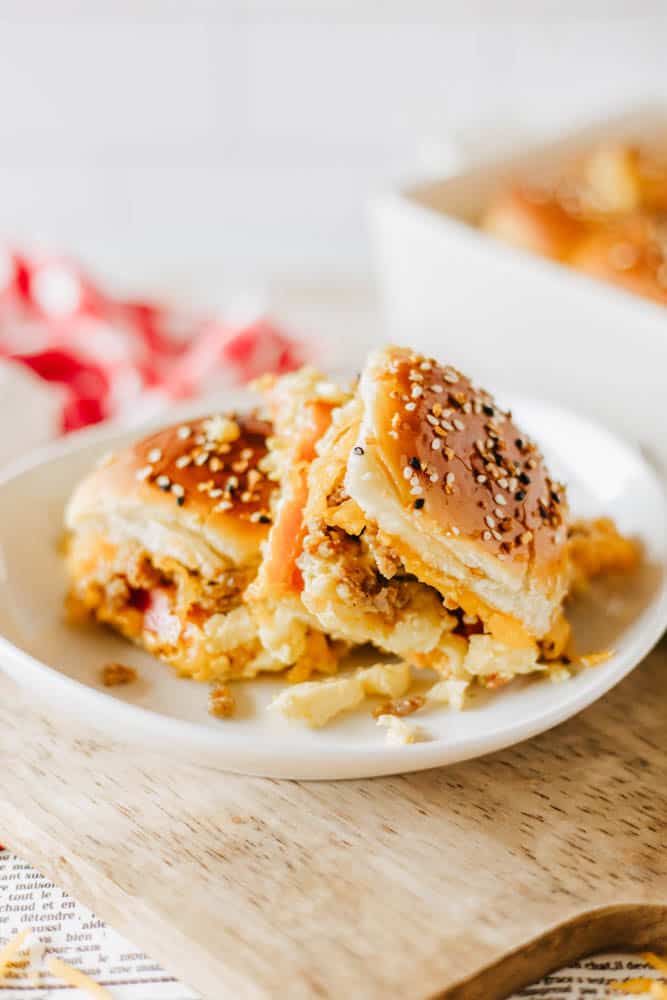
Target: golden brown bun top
(534, 219)
(629, 252)
(454, 455)
(201, 476)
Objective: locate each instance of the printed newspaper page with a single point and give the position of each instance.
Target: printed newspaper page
(64, 929)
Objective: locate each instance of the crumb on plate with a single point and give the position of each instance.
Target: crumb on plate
(221, 702)
(400, 733)
(115, 674)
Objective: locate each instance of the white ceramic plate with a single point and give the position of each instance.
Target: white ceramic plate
(63, 664)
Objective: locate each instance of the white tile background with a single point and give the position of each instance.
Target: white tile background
(199, 142)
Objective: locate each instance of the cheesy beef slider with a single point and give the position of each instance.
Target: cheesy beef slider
(432, 528)
(164, 538)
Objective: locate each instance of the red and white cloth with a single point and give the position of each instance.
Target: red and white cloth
(102, 357)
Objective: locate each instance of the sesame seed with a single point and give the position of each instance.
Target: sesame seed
(180, 501)
(419, 503)
(487, 536)
(177, 490)
(202, 458)
(184, 433)
(445, 424)
(437, 388)
(247, 453)
(417, 391)
(450, 478)
(214, 494)
(498, 537)
(264, 519)
(460, 426)
(436, 444)
(224, 505)
(425, 366)
(407, 472)
(415, 463)
(416, 490)
(183, 461)
(414, 480)
(498, 512)
(481, 478)
(523, 478)
(410, 407)
(393, 434)
(164, 482)
(246, 496)
(503, 483)
(451, 377)
(154, 455)
(215, 464)
(144, 473)
(431, 419)
(433, 477)
(490, 521)
(520, 495)
(526, 537)
(358, 450)
(488, 410)
(455, 530)
(500, 499)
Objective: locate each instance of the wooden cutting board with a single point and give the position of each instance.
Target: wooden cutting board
(465, 882)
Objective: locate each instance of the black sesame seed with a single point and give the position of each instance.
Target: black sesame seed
(523, 478)
(264, 519)
(358, 450)
(520, 495)
(488, 410)
(555, 497)
(165, 487)
(415, 463)
(180, 501)
(519, 442)
(419, 503)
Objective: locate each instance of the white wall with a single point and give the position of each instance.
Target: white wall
(166, 140)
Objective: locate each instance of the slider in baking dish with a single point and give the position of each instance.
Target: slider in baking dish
(604, 214)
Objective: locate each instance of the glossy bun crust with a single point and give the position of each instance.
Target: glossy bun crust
(201, 480)
(461, 490)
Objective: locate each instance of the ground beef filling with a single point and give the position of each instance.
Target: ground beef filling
(367, 575)
(122, 586)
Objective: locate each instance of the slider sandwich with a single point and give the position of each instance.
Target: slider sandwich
(164, 538)
(431, 527)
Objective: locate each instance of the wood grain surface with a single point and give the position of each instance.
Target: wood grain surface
(463, 882)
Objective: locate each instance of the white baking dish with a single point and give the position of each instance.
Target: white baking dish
(513, 319)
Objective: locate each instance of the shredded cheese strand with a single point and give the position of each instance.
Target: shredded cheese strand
(11, 949)
(656, 961)
(642, 985)
(74, 977)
